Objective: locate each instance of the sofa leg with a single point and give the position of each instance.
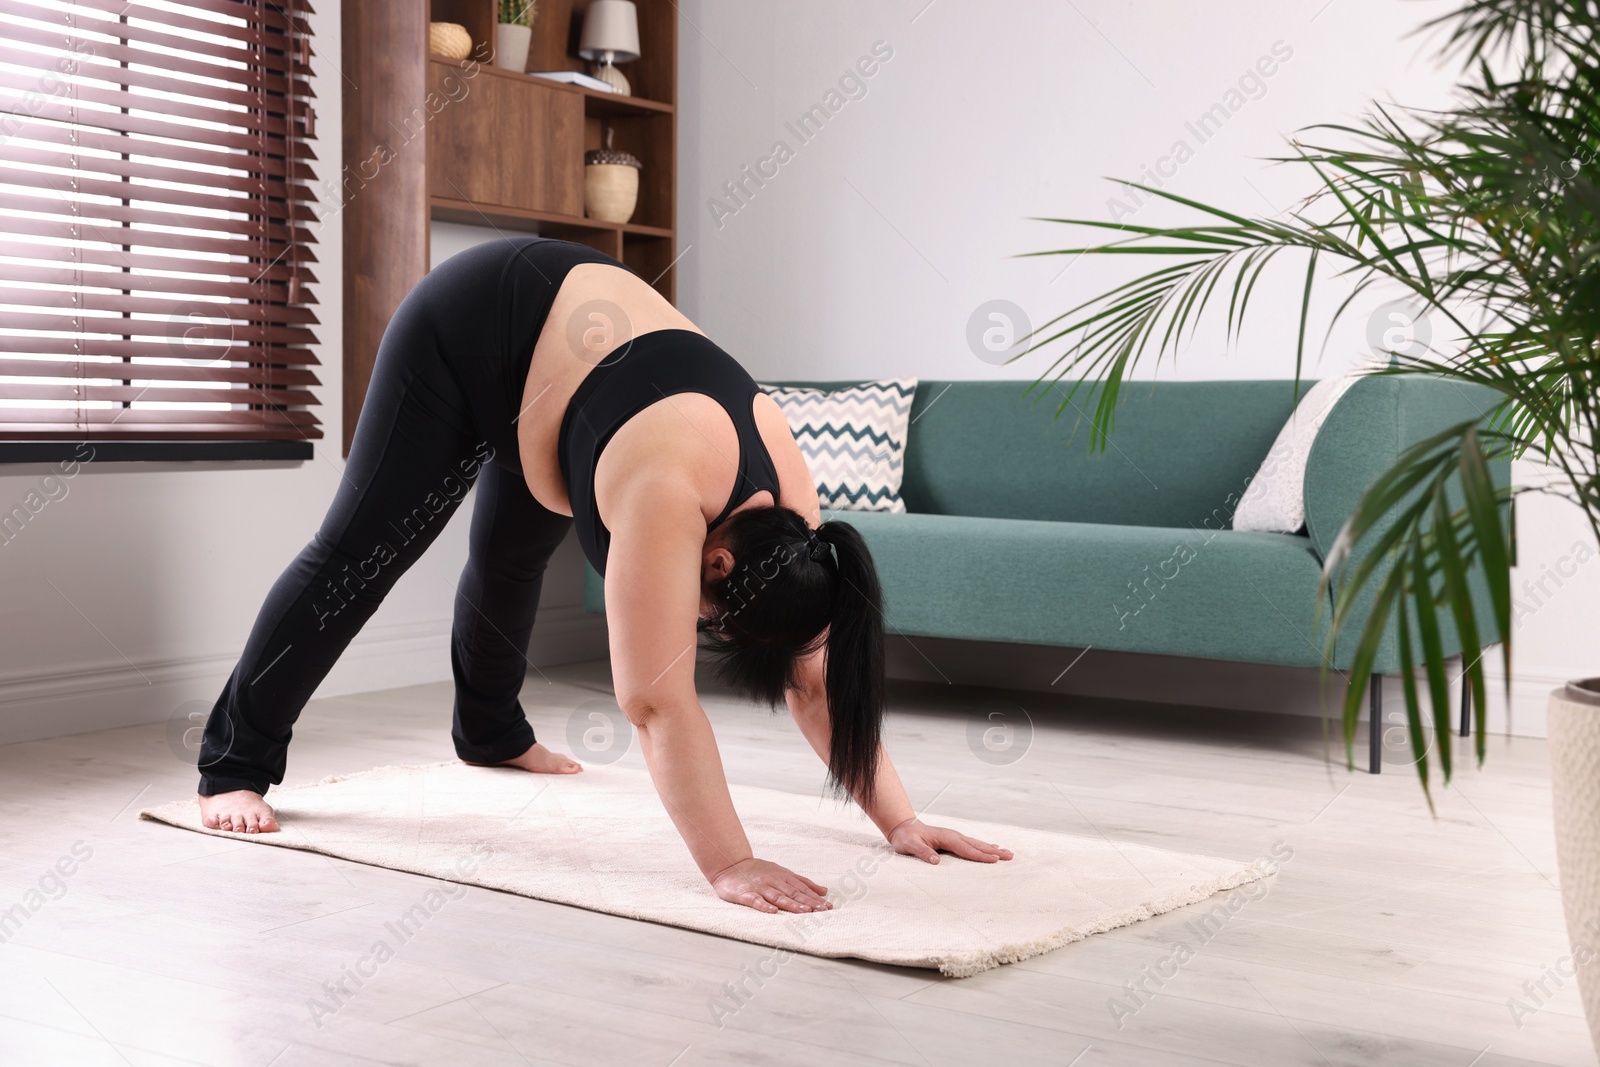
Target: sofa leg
(1466, 706)
(1375, 725)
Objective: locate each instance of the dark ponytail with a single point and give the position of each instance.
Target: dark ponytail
(855, 662)
(789, 585)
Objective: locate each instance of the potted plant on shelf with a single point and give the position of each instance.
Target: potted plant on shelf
(1488, 215)
(514, 33)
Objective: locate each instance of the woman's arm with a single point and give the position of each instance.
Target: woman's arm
(652, 605)
(890, 809)
(890, 805)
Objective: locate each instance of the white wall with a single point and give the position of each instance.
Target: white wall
(133, 593)
(1555, 603)
(864, 255)
(868, 244)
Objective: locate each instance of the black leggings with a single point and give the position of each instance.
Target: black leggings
(420, 443)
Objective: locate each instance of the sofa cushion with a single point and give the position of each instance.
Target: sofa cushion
(1275, 501)
(853, 440)
(1210, 593)
(1180, 450)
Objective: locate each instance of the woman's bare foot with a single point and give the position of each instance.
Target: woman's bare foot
(241, 811)
(539, 760)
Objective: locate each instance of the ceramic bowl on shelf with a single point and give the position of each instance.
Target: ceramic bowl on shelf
(610, 183)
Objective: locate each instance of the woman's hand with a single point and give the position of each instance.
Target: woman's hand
(916, 838)
(768, 887)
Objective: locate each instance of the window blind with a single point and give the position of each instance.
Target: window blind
(155, 221)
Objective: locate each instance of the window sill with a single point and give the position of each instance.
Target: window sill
(152, 451)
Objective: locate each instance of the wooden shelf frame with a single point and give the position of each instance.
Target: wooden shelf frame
(507, 153)
(450, 209)
(597, 101)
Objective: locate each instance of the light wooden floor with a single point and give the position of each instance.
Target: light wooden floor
(1390, 937)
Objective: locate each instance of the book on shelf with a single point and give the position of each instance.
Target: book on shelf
(572, 77)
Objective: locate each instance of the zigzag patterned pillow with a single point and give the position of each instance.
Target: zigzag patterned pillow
(854, 440)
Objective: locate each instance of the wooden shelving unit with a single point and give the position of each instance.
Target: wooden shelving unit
(505, 151)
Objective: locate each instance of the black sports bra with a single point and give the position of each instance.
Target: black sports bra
(659, 364)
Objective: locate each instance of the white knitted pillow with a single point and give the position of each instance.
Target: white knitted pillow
(854, 440)
(1274, 501)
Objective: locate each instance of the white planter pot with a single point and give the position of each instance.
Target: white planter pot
(1574, 726)
(511, 46)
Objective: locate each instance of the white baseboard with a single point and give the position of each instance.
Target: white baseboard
(100, 695)
(388, 657)
(1530, 701)
(104, 694)
(60, 699)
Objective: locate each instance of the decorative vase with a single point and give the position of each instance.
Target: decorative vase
(608, 73)
(1574, 729)
(610, 183)
(511, 46)
(449, 39)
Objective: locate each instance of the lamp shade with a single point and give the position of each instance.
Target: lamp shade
(610, 26)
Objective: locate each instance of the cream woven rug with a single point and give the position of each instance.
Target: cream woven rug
(601, 840)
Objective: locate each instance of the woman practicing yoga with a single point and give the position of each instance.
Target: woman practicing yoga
(571, 391)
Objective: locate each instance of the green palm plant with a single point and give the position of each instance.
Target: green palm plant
(1488, 214)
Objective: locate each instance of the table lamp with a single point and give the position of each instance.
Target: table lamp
(611, 36)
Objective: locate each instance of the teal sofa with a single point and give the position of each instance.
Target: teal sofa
(1015, 532)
